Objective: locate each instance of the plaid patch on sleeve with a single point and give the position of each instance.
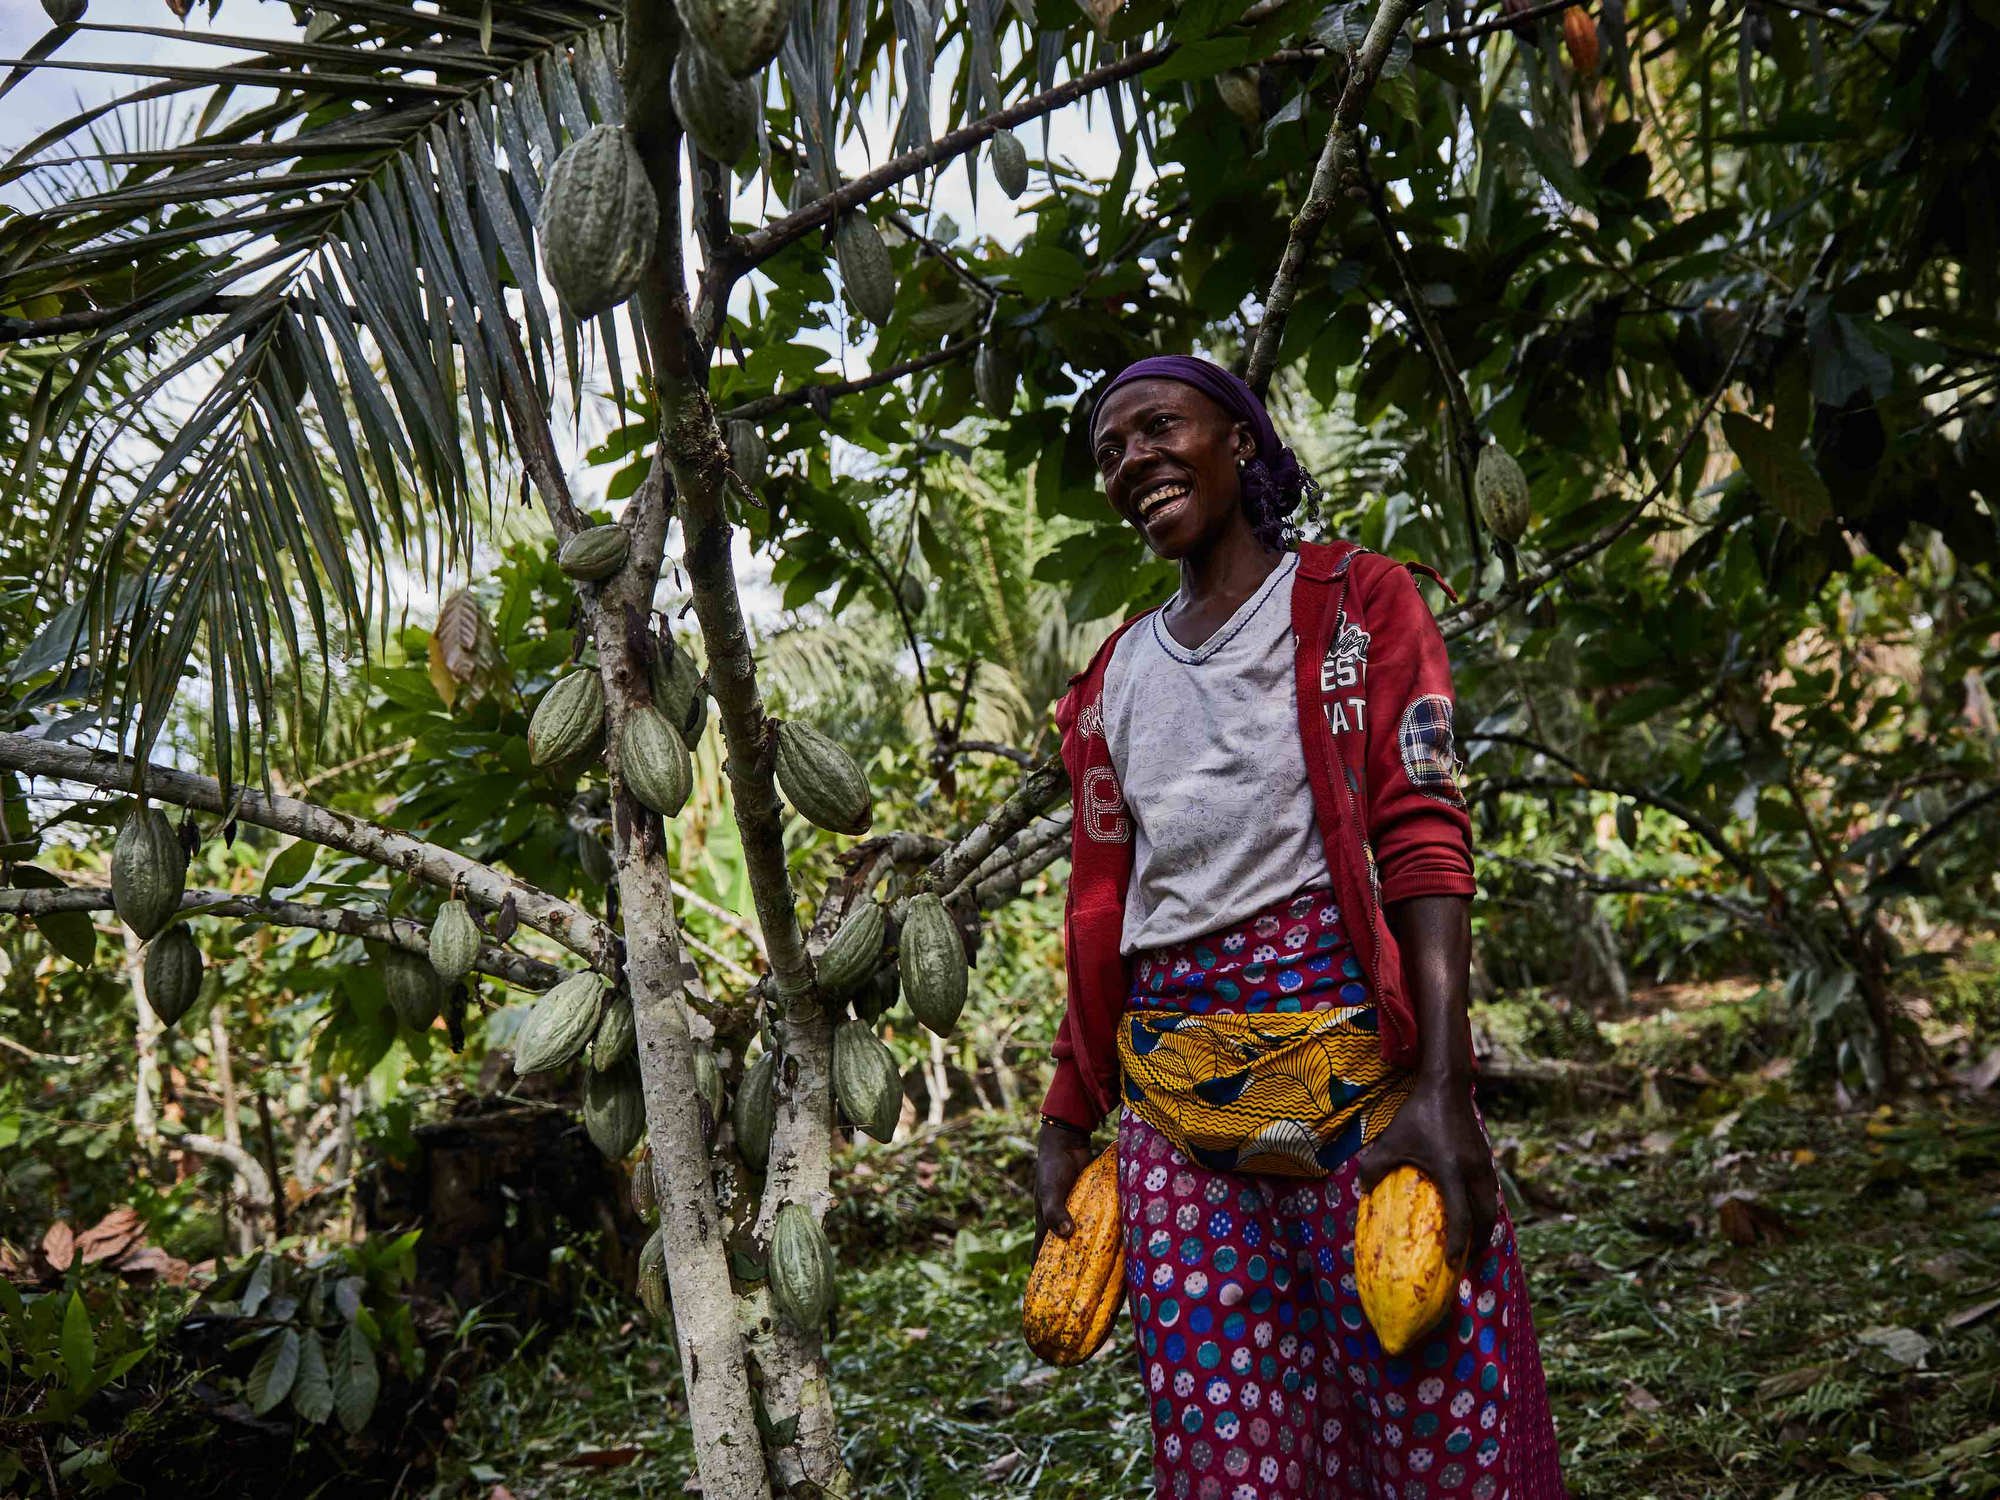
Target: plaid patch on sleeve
(1430, 758)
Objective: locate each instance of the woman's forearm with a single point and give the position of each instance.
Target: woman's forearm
(1435, 934)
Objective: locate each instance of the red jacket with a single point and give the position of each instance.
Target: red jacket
(1375, 714)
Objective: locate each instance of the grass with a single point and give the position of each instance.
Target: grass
(1758, 1296)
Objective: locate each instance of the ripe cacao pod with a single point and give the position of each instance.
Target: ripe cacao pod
(412, 987)
(994, 378)
(1078, 1283)
(1400, 1268)
(801, 1267)
(872, 1001)
(616, 1037)
(148, 872)
(560, 1025)
(454, 942)
(614, 1109)
(749, 455)
(595, 857)
(718, 112)
(742, 34)
(755, 1114)
(678, 690)
(594, 553)
(65, 12)
(849, 956)
(1524, 30)
(708, 1080)
(567, 719)
(173, 972)
(1580, 37)
(933, 963)
(822, 781)
(599, 221)
(1500, 490)
(1010, 163)
(645, 1187)
(865, 268)
(653, 763)
(1241, 95)
(865, 1080)
(653, 1274)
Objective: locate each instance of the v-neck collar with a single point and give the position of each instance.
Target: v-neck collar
(1229, 629)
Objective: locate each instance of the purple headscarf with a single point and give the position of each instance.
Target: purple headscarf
(1273, 482)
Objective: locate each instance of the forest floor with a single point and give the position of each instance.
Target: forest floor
(1741, 1290)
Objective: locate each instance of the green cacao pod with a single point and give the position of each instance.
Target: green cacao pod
(933, 963)
(560, 1025)
(994, 377)
(873, 1000)
(822, 781)
(801, 1267)
(849, 956)
(1010, 163)
(742, 34)
(865, 268)
(173, 973)
(913, 595)
(614, 1109)
(1238, 87)
(865, 1080)
(749, 455)
(708, 1079)
(599, 221)
(148, 872)
(645, 1187)
(595, 857)
(678, 691)
(454, 942)
(412, 987)
(616, 1037)
(1501, 491)
(653, 763)
(755, 1113)
(567, 719)
(594, 553)
(65, 12)
(718, 112)
(653, 1274)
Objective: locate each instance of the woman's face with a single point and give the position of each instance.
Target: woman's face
(1167, 455)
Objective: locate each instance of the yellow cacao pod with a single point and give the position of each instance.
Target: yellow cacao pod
(1500, 490)
(1077, 1283)
(1400, 1268)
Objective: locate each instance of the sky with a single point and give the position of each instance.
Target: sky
(51, 94)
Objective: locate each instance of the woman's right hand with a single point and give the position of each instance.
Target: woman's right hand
(1061, 1154)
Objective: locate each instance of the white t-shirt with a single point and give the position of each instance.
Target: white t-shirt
(1206, 746)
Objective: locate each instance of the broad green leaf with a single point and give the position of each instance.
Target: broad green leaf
(1778, 470)
(354, 1378)
(312, 1389)
(289, 868)
(272, 1376)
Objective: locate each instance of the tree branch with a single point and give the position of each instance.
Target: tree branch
(1037, 790)
(573, 928)
(1498, 23)
(516, 969)
(1708, 830)
(816, 394)
(1333, 178)
(1914, 850)
(1740, 911)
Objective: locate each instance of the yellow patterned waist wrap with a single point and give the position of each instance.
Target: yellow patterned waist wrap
(1291, 1093)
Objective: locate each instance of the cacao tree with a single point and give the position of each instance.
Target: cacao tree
(1665, 331)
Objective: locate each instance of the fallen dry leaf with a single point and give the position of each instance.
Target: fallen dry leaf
(1966, 1316)
(1004, 1465)
(1640, 1399)
(601, 1458)
(59, 1245)
(114, 1234)
(1745, 1221)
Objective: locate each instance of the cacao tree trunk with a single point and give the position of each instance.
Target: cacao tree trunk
(146, 1087)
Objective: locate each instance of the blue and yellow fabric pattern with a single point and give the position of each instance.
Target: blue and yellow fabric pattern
(1255, 1049)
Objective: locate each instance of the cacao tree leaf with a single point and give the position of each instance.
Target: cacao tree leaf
(276, 1368)
(289, 868)
(1779, 471)
(312, 1390)
(356, 1382)
(257, 1287)
(71, 934)
(78, 1344)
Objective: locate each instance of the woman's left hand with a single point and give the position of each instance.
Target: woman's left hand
(1437, 1132)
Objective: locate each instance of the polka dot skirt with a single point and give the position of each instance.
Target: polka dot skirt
(1265, 1381)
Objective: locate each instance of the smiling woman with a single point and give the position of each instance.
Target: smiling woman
(1267, 942)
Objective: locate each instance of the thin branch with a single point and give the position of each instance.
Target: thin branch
(1499, 23)
(939, 251)
(1710, 832)
(1014, 753)
(1739, 911)
(1466, 618)
(1333, 179)
(33, 1056)
(399, 932)
(1915, 849)
(817, 393)
(1037, 790)
(256, 1183)
(573, 928)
